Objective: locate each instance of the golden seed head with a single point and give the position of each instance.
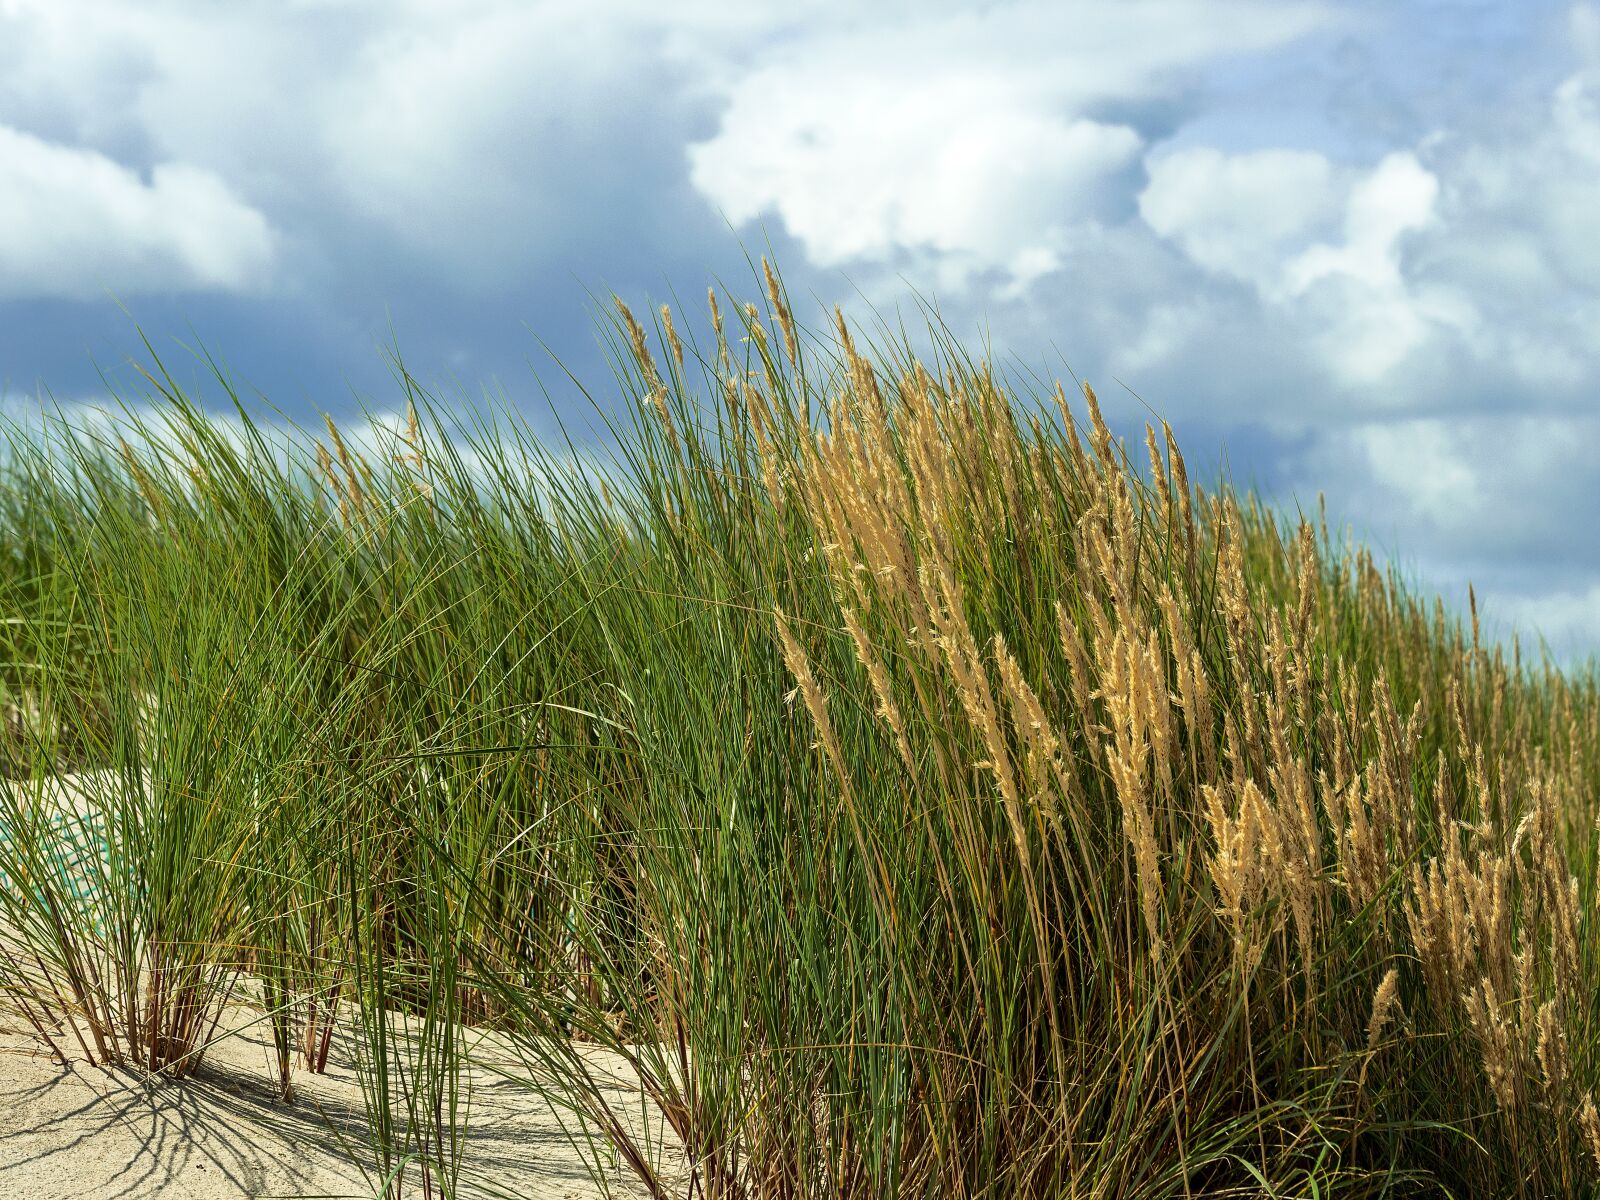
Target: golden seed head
(1589, 1121)
(1385, 1003)
(672, 335)
(638, 343)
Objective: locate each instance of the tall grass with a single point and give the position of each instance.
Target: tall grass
(917, 795)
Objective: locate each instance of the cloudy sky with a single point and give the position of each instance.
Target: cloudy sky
(1344, 247)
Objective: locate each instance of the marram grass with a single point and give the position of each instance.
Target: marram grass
(921, 797)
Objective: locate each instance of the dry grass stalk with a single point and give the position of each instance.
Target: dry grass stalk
(1385, 1004)
(1589, 1122)
(882, 688)
(673, 343)
(781, 310)
(799, 665)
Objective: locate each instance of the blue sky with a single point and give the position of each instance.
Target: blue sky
(1351, 248)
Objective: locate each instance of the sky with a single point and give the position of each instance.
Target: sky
(1345, 248)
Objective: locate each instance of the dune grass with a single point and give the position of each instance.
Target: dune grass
(920, 795)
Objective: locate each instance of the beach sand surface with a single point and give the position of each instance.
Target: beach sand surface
(79, 1132)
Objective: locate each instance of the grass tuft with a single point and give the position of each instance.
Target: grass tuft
(917, 796)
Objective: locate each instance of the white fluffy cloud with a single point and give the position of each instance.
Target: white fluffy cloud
(1206, 199)
(1484, 485)
(1241, 214)
(472, 139)
(473, 134)
(1502, 499)
(1469, 256)
(1395, 199)
(938, 136)
(1322, 242)
(1567, 620)
(74, 223)
(971, 173)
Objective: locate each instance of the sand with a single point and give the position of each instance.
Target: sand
(80, 1131)
(83, 1132)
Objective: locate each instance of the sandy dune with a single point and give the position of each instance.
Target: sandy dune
(82, 1132)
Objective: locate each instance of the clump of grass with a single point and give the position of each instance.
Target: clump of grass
(916, 794)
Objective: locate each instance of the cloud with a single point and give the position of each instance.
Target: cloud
(466, 141)
(1397, 198)
(1567, 620)
(945, 137)
(932, 173)
(74, 223)
(1240, 214)
(1440, 272)
(1499, 500)
(1498, 487)
(1354, 251)
(473, 138)
(1264, 217)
